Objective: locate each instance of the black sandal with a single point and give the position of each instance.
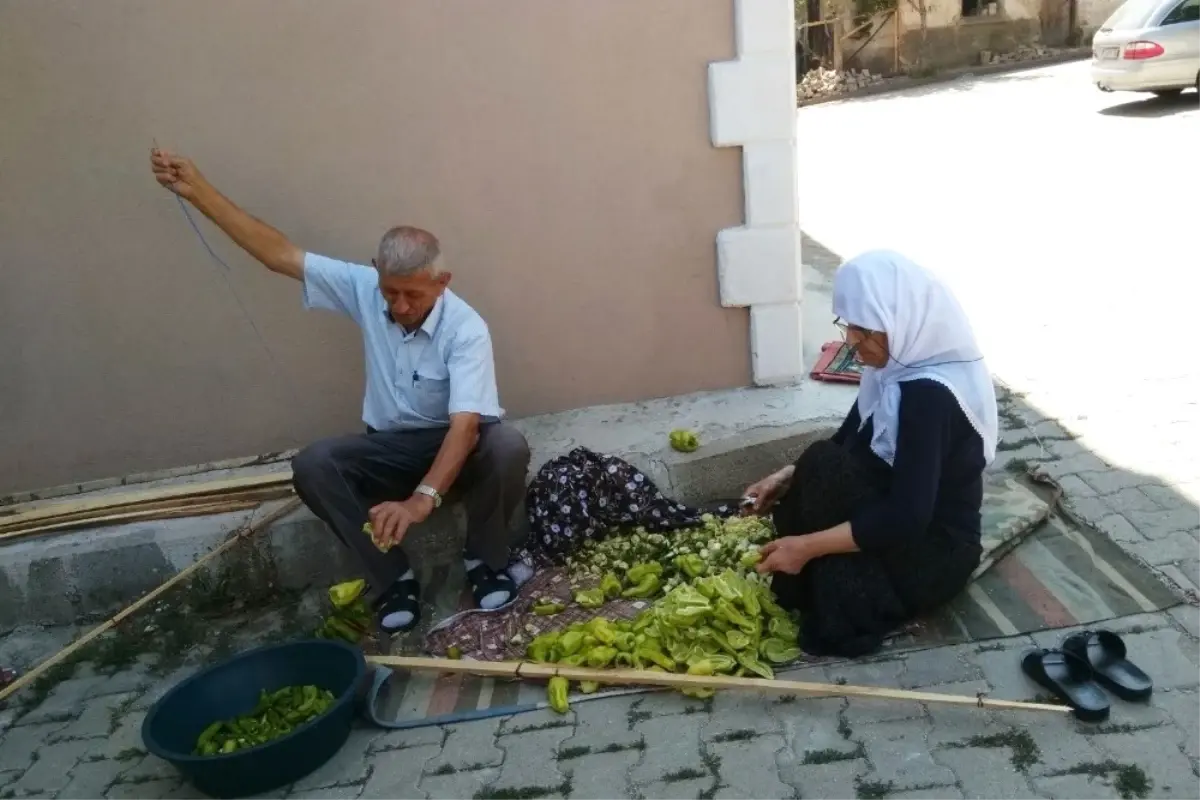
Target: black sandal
(486, 581)
(1070, 679)
(1104, 652)
(401, 596)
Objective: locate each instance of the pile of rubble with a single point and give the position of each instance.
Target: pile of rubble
(821, 82)
(1024, 52)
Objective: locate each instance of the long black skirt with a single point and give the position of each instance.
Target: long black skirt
(849, 602)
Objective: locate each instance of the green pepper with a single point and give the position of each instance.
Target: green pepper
(573, 661)
(656, 656)
(684, 441)
(590, 598)
(625, 642)
(341, 630)
(737, 640)
(750, 662)
(454, 652)
(570, 642)
(783, 628)
(685, 596)
(719, 662)
(679, 649)
(588, 687)
(381, 546)
(778, 651)
(541, 649)
(691, 565)
(603, 631)
(725, 610)
(726, 585)
(749, 600)
(556, 691)
(623, 660)
(600, 657)
(610, 585)
(767, 602)
(206, 736)
(700, 692)
(648, 586)
(547, 609)
(343, 594)
(638, 572)
(749, 559)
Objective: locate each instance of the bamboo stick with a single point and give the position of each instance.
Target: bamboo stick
(521, 669)
(199, 510)
(251, 528)
(164, 509)
(160, 494)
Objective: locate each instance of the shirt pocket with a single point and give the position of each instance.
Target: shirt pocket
(431, 392)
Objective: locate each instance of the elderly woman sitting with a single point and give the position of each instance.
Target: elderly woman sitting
(881, 523)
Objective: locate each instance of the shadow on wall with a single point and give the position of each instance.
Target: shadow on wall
(1146, 516)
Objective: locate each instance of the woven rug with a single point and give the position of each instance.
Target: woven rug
(1038, 572)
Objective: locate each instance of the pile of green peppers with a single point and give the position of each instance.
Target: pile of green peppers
(724, 624)
(276, 714)
(349, 619)
(621, 563)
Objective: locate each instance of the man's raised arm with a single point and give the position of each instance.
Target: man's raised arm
(254, 236)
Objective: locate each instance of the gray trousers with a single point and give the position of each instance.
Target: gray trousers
(340, 479)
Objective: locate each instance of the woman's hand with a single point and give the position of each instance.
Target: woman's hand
(789, 554)
(766, 493)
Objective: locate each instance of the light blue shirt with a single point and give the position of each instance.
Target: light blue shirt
(418, 379)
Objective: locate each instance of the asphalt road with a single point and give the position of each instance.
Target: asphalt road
(1065, 218)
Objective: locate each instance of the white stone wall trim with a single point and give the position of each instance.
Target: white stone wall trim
(752, 105)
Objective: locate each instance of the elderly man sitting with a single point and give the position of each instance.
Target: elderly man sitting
(431, 408)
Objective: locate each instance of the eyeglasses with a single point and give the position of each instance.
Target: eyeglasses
(845, 327)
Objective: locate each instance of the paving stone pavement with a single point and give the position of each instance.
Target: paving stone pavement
(83, 738)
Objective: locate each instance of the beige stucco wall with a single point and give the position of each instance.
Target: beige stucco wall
(560, 148)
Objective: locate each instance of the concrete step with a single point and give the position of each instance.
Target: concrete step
(745, 433)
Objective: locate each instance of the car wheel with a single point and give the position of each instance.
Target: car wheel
(1167, 92)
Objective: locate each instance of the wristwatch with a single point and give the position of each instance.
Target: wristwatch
(429, 491)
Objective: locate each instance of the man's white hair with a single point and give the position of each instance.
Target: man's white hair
(405, 250)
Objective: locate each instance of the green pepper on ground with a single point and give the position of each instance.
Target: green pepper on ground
(590, 598)
(547, 609)
(610, 585)
(648, 587)
(556, 691)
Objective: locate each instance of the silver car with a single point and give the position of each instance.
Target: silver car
(1149, 46)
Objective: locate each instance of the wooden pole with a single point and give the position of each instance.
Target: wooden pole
(896, 38)
(248, 530)
(838, 35)
(522, 669)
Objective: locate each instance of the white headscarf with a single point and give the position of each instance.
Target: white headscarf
(927, 329)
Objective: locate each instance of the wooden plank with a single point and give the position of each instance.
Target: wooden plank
(164, 493)
(612, 677)
(252, 527)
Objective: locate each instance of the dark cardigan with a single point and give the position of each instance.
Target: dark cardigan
(935, 483)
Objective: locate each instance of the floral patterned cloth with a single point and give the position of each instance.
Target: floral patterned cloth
(582, 495)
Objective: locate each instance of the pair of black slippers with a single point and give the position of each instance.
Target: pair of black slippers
(398, 608)
(1079, 672)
